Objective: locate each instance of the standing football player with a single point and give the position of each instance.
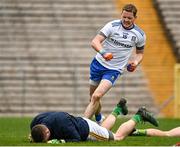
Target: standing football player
(114, 45)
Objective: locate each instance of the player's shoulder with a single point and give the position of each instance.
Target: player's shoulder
(61, 113)
(60, 116)
(114, 23)
(138, 30)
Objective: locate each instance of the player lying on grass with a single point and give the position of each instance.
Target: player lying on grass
(55, 127)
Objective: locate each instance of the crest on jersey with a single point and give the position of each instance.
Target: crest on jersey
(125, 35)
(133, 38)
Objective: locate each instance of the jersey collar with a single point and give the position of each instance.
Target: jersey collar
(127, 28)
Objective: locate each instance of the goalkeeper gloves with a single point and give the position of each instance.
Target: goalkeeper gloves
(56, 141)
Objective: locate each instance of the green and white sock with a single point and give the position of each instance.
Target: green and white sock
(140, 132)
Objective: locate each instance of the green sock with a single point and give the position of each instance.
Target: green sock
(116, 111)
(137, 118)
(140, 132)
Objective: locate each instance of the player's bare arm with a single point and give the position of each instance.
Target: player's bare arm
(132, 65)
(97, 42)
(97, 45)
(138, 57)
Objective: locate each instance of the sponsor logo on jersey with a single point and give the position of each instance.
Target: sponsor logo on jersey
(116, 34)
(120, 44)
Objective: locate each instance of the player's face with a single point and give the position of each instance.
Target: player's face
(46, 135)
(127, 19)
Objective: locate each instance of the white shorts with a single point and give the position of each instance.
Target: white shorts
(97, 132)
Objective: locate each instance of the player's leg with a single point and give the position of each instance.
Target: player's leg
(174, 132)
(94, 104)
(97, 132)
(109, 76)
(92, 88)
(156, 132)
(95, 78)
(120, 108)
(98, 116)
(126, 128)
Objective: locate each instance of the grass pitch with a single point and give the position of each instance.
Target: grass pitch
(14, 132)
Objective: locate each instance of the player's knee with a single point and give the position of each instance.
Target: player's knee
(96, 97)
(119, 137)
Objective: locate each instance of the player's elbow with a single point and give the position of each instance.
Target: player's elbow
(140, 54)
(93, 43)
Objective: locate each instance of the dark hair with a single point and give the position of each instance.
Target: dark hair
(130, 8)
(37, 133)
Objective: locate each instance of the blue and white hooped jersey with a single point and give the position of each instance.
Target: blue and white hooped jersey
(120, 42)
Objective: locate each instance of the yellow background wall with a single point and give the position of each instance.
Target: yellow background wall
(158, 63)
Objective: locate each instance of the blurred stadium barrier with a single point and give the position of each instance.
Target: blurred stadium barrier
(177, 91)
